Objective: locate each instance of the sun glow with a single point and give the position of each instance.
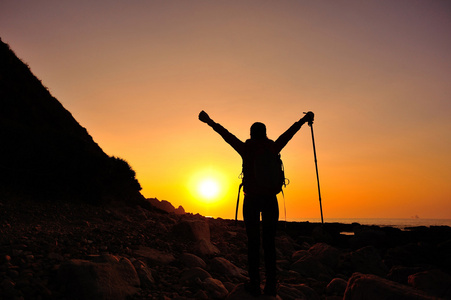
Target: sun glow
(208, 186)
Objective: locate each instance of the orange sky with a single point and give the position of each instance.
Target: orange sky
(376, 73)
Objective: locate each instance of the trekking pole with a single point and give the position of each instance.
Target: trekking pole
(317, 176)
(237, 204)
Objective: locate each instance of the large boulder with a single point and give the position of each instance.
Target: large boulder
(368, 261)
(154, 256)
(289, 292)
(327, 255)
(191, 261)
(145, 274)
(372, 287)
(401, 273)
(214, 288)
(336, 287)
(309, 266)
(411, 254)
(299, 254)
(194, 230)
(433, 282)
(204, 247)
(225, 267)
(103, 277)
(194, 275)
(286, 245)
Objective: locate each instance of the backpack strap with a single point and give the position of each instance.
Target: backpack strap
(237, 204)
(284, 208)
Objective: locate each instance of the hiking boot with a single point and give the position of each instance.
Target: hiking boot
(253, 289)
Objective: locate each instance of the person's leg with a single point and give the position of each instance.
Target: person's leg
(270, 217)
(251, 215)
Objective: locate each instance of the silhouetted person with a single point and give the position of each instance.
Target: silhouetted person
(259, 199)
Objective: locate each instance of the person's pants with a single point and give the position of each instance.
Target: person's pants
(269, 209)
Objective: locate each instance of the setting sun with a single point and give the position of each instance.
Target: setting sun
(209, 188)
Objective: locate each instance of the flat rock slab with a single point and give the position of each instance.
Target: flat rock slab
(103, 277)
(372, 287)
(154, 256)
(194, 230)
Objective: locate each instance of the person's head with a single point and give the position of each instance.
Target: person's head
(258, 131)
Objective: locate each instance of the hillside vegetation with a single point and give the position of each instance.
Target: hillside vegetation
(45, 153)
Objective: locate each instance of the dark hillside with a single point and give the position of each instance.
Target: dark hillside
(44, 152)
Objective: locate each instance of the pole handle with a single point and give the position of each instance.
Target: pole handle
(310, 123)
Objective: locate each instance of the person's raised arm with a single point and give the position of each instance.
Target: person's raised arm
(285, 137)
(225, 134)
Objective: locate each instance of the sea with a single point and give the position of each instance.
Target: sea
(396, 223)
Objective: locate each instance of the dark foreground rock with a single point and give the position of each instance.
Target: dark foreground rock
(64, 250)
(367, 286)
(102, 277)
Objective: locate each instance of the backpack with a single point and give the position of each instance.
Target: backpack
(263, 173)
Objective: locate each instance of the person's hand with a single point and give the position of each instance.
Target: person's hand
(309, 116)
(204, 117)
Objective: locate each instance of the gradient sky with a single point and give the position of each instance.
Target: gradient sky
(376, 73)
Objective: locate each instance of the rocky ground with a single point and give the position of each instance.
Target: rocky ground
(80, 251)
